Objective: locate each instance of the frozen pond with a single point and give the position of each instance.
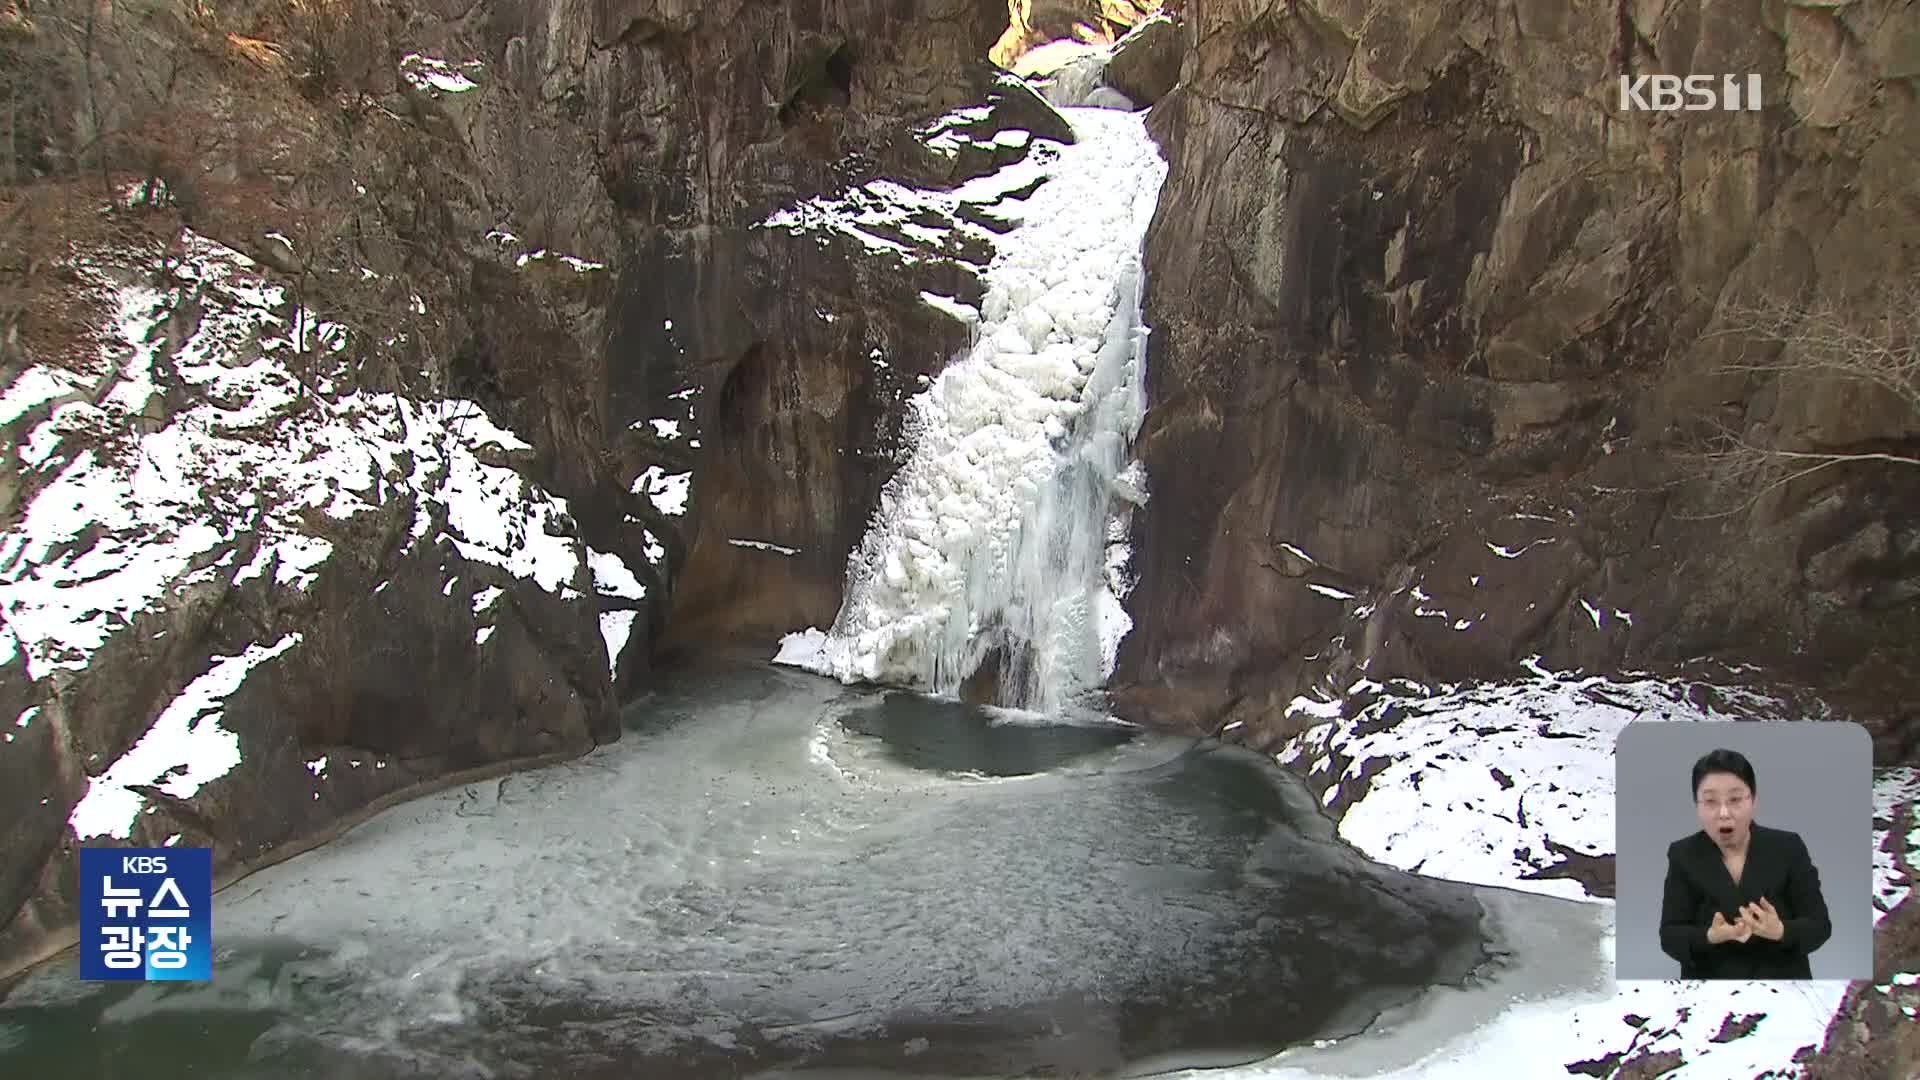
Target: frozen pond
(773, 873)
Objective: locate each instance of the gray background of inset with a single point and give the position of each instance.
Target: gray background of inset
(1815, 778)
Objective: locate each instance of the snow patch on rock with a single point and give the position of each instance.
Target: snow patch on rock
(1467, 785)
(184, 749)
(1471, 784)
(129, 517)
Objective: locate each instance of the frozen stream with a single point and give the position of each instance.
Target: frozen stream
(772, 872)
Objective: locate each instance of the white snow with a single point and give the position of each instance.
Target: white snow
(132, 515)
(298, 555)
(493, 514)
(985, 522)
(764, 545)
(667, 491)
(947, 305)
(615, 628)
(1592, 612)
(36, 386)
(1551, 1033)
(940, 134)
(485, 598)
(612, 578)
(579, 266)
(1534, 666)
(1438, 761)
(801, 648)
(1109, 603)
(476, 429)
(438, 76)
(1437, 808)
(1328, 590)
(1514, 553)
(318, 766)
(1313, 707)
(184, 749)
(1897, 788)
(894, 207)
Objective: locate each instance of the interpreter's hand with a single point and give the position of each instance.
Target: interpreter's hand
(1720, 931)
(1763, 919)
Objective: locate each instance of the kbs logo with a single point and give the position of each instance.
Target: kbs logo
(1693, 93)
(146, 913)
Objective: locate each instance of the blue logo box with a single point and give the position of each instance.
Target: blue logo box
(146, 913)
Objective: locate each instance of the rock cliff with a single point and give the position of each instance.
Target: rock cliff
(1456, 362)
(398, 332)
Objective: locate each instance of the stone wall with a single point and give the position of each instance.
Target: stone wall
(1424, 296)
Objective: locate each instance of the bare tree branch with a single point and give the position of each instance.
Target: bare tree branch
(1821, 340)
(1752, 471)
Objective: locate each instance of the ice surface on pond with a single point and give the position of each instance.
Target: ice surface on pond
(746, 863)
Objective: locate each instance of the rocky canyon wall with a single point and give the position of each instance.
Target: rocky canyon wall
(1447, 346)
(543, 209)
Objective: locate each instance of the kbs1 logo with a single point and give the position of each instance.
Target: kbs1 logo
(1693, 93)
(146, 913)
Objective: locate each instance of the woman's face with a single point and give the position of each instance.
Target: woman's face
(1725, 805)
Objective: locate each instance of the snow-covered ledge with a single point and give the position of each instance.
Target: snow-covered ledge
(1506, 784)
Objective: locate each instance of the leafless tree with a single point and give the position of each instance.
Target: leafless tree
(1876, 344)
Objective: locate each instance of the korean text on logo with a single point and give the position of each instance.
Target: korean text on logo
(145, 913)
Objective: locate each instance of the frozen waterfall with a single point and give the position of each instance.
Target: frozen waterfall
(999, 539)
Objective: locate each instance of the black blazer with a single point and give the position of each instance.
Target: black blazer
(1778, 868)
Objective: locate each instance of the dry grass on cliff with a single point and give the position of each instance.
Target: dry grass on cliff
(56, 314)
(253, 118)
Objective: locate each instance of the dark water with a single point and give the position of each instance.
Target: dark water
(773, 875)
(955, 737)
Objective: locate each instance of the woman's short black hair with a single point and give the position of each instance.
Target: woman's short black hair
(1724, 761)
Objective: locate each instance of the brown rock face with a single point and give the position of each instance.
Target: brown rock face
(1429, 307)
(648, 138)
(1146, 63)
